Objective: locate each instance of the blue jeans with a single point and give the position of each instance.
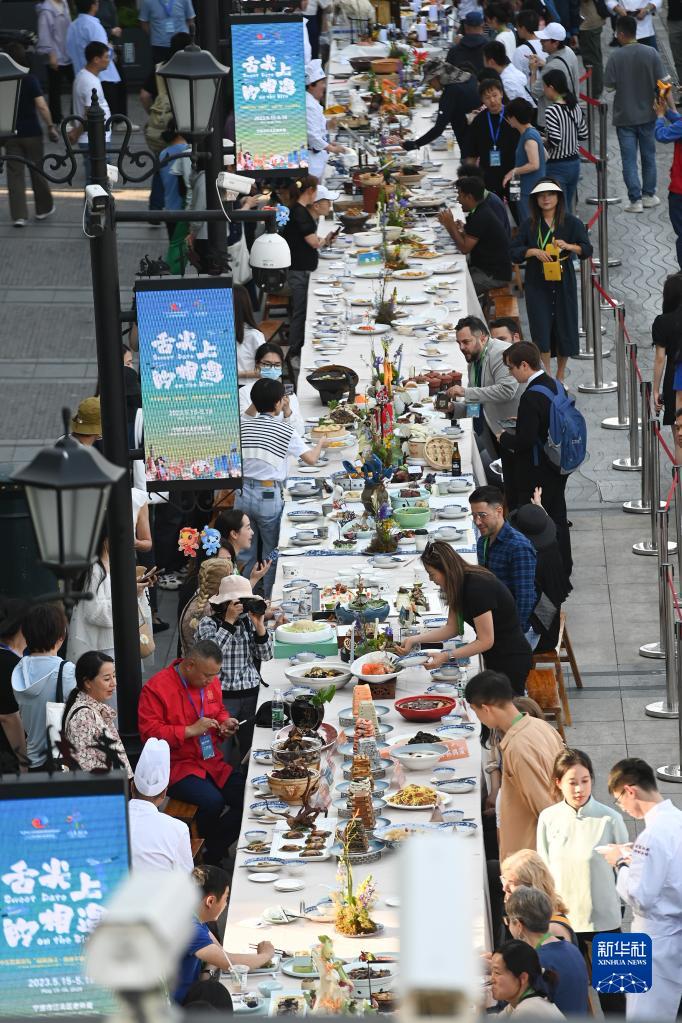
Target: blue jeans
(630, 138)
(219, 829)
(567, 174)
(264, 506)
(675, 214)
(156, 195)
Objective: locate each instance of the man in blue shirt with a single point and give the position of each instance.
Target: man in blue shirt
(161, 19)
(204, 951)
(507, 553)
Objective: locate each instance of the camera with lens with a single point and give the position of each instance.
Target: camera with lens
(256, 605)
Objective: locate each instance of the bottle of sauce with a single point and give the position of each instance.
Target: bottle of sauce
(456, 468)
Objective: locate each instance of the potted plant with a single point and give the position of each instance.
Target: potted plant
(353, 907)
(307, 712)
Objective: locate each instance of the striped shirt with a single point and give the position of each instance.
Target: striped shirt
(267, 443)
(565, 128)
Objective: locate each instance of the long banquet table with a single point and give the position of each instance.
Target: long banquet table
(245, 925)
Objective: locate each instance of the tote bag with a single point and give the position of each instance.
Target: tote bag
(54, 711)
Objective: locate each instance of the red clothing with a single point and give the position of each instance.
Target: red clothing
(166, 707)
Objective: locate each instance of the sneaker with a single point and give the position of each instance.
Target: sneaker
(635, 207)
(158, 625)
(120, 128)
(169, 581)
(649, 201)
(20, 223)
(44, 216)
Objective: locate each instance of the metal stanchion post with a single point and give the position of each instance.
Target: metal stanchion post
(649, 548)
(641, 506)
(586, 310)
(621, 421)
(598, 387)
(677, 506)
(669, 707)
(633, 463)
(673, 772)
(657, 650)
(594, 200)
(589, 110)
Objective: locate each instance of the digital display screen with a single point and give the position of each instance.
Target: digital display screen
(188, 375)
(63, 851)
(268, 80)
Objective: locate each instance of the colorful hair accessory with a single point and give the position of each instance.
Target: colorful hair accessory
(210, 540)
(188, 541)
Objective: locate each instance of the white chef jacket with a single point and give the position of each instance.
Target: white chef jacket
(157, 841)
(645, 27)
(318, 136)
(652, 886)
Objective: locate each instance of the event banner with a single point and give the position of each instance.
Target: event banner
(61, 858)
(268, 80)
(188, 373)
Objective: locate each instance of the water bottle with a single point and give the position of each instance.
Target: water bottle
(277, 710)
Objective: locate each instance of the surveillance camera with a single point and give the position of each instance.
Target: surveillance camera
(143, 934)
(270, 259)
(97, 198)
(235, 183)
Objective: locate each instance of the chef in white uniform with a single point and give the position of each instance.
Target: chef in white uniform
(649, 880)
(157, 841)
(319, 146)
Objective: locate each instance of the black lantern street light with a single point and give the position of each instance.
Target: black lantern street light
(67, 488)
(11, 74)
(193, 78)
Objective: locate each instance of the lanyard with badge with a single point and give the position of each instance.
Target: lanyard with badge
(495, 154)
(474, 407)
(551, 270)
(170, 20)
(205, 741)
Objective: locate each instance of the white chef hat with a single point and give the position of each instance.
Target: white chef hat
(314, 72)
(153, 768)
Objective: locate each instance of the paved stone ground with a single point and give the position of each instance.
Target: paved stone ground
(47, 359)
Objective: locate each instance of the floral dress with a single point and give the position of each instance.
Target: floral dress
(87, 723)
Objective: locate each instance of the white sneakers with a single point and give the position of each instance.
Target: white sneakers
(44, 216)
(20, 223)
(647, 202)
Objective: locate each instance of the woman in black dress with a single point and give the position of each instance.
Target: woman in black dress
(666, 331)
(551, 292)
(475, 596)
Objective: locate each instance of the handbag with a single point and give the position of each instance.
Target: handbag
(147, 644)
(54, 712)
(238, 254)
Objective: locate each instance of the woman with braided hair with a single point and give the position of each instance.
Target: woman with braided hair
(211, 574)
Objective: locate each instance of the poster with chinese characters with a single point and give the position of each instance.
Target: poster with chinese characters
(60, 860)
(268, 80)
(188, 374)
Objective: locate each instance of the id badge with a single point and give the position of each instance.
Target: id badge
(495, 158)
(170, 26)
(206, 747)
(473, 409)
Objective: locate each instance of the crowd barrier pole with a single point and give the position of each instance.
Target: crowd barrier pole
(657, 650)
(621, 421)
(669, 707)
(599, 386)
(677, 507)
(633, 463)
(673, 772)
(595, 200)
(589, 109)
(649, 548)
(585, 310)
(641, 505)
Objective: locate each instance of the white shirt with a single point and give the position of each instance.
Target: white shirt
(318, 136)
(508, 40)
(83, 85)
(158, 841)
(295, 419)
(257, 469)
(523, 51)
(515, 84)
(652, 884)
(246, 351)
(92, 621)
(645, 27)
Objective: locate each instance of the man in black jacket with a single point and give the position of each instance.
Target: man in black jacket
(468, 52)
(532, 467)
(459, 97)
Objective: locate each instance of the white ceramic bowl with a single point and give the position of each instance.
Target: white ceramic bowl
(362, 987)
(298, 674)
(376, 655)
(419, 756)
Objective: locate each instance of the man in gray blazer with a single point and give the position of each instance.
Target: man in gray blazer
(491, 396)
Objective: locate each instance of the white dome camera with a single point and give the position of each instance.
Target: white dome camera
(270, 259)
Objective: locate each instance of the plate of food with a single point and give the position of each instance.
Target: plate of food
(376, 666)
(411, 274)
(301, 967)
(320, 674)
(359, 300)
(262, 756)
(371, 329)
(411, 300)
(369, 273)
(287, 1005)
(304, 514)
(395, 834)
(419, 756)
(371, 977)
(417, 797)
(304, 631)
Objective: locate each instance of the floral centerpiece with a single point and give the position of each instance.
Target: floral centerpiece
(352, 906)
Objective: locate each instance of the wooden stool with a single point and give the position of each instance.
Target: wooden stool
(565, 651)
(518, 279)
(270, 329)
(185, 812)
(508, 305)
(197, 845)
(278, 304)
(562, 654)
(542, 687)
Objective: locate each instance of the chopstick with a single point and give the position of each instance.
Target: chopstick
(278, 951)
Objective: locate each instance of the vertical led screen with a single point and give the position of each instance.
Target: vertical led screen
(268, 81)
(63, 850)
(188, 374)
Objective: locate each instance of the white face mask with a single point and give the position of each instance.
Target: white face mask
(271, 372)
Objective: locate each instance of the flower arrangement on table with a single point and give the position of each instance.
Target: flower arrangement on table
(369, 638)
(334, 993)
(353, 907)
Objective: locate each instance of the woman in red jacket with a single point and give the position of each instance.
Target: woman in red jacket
(183, 704)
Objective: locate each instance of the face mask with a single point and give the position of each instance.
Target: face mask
(271, 372)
